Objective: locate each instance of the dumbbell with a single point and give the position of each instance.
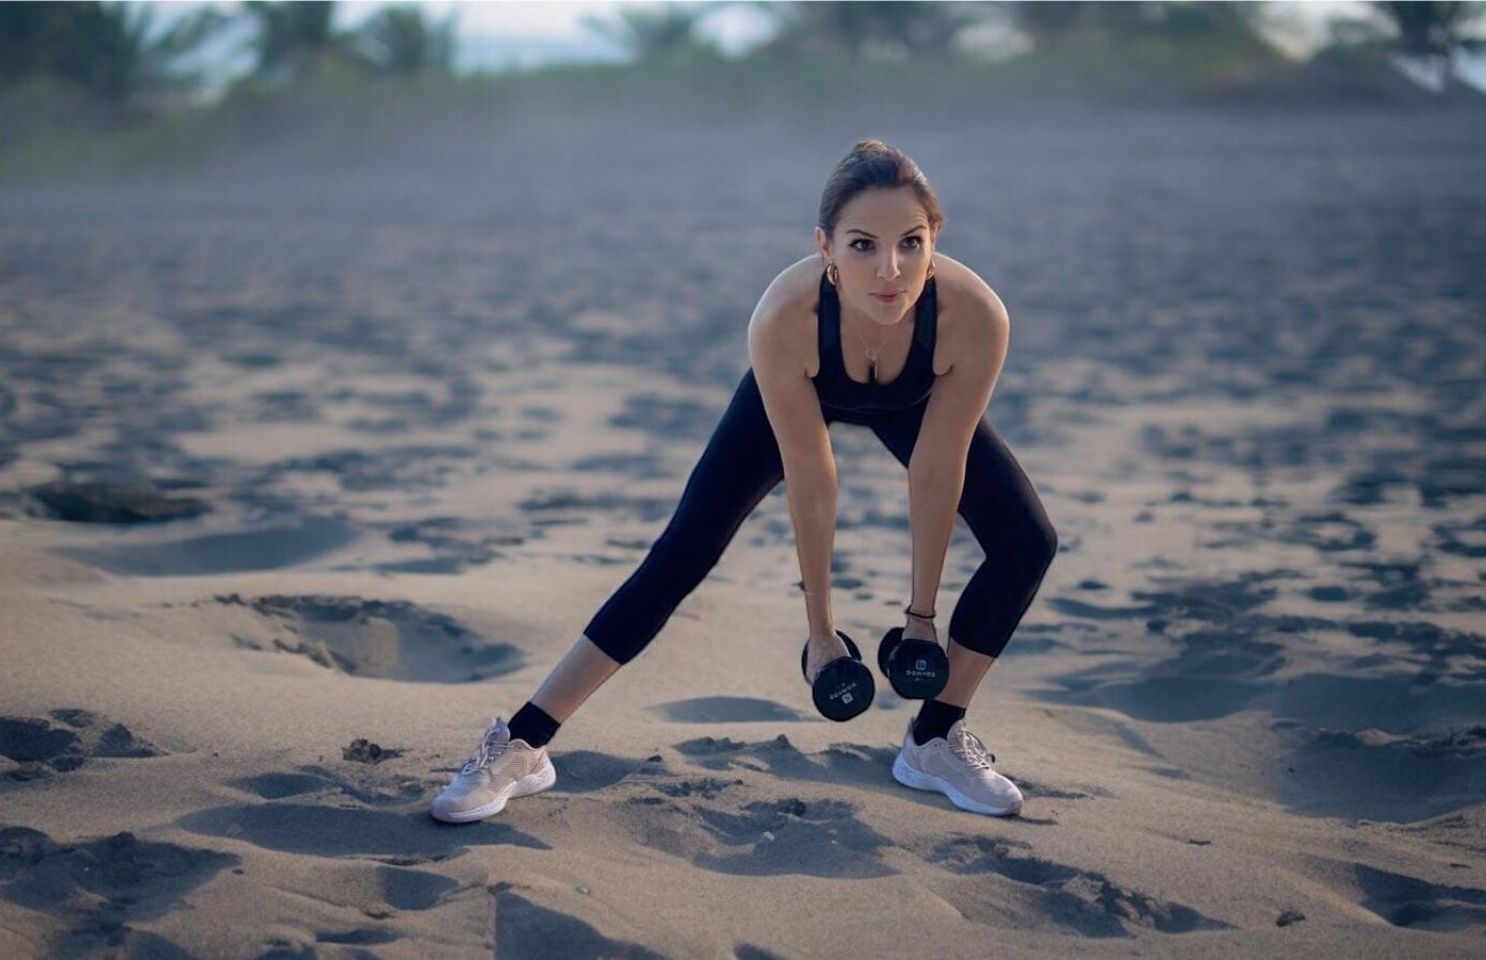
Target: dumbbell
(843, 688)
(917, 669)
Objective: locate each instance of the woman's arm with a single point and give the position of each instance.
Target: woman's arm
(936, 470)
(794, 414)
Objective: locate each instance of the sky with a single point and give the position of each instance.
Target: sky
(527, 32)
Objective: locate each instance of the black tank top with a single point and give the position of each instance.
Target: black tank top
(843, 396)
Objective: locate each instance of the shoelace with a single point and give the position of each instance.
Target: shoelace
(490, 748)
(969, 748)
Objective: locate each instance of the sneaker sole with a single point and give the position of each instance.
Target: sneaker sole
(918, 780)
(532, 783)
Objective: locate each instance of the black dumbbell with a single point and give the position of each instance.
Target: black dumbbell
(917, 669)
(844, 687)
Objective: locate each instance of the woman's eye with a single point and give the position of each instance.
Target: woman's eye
(916, 243)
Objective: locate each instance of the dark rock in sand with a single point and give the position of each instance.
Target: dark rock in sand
(362, 750)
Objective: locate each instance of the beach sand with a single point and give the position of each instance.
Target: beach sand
(311, 445)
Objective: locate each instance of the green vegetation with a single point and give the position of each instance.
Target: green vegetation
(663, 34)
(103, 48)
(112, 51)
(400, 41)
(871, 30)
(1432, 28)
(90, 86)
(295, 44)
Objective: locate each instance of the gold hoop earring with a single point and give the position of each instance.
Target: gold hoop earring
(832, 274)
(931, 270)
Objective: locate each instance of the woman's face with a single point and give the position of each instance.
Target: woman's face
(881, 244)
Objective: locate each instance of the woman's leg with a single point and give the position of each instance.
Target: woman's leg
(739, 467)
(581, 671)
(1002, 509)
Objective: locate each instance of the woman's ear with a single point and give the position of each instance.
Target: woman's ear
(822, 244)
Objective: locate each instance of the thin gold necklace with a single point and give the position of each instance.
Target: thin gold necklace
(874, 352)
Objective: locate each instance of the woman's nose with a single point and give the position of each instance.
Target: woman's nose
(887, 268)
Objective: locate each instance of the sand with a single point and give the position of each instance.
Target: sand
(305, 447)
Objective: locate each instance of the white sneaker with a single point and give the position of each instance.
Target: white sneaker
(958, 766)
(504, 768)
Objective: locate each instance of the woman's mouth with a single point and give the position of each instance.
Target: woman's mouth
(888, 297)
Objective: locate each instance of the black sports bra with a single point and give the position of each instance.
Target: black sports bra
(840, 394)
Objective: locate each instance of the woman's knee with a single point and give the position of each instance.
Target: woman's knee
(1034, 546)
(611, 642)
(683, 556)
(1026, 535)
(1044, 541)
(632, 616)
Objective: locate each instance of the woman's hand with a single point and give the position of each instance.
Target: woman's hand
(823, 648)
(915, 628)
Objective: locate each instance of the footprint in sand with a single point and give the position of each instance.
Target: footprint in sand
(727, 710)
(268, 549)
(1406, 901)
(100, 886)
(525, 929)
(41, 747)
(390, 639)
(1041, 893)
(341, 831)
(110, 503)
(723, 832)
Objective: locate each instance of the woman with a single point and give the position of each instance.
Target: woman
(892, 336)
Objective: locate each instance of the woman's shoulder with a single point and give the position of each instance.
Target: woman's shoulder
(795, 288)
(967, 310)
(799, 285)
(960, 290)
(785, 313)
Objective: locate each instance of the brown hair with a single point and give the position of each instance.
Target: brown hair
(874, 164)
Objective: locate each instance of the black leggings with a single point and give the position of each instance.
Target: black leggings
(741, 465)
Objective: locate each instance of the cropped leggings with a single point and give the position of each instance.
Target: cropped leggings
(739, 467)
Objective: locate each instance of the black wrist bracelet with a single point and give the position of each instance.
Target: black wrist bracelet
(909, 610)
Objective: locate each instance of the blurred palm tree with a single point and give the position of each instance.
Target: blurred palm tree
(401, 40)
(1050, 25)
(1431, 28)
(110, 49)
(871, 29)
(295, 40)
(1056, 25)
(665, 33)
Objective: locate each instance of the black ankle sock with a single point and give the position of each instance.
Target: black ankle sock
(934, 720)
(532, 724)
